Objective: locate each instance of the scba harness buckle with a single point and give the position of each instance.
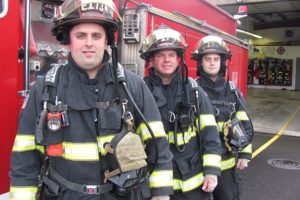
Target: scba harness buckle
(91, 189)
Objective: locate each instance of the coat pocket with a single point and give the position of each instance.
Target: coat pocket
(189, 164)
(110, 118)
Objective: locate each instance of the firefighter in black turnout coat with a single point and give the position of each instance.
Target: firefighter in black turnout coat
(83, 131)
(235, 127)
(183, 105)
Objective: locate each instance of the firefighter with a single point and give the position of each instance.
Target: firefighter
(80, 134)
(183, 105)
(235, 127)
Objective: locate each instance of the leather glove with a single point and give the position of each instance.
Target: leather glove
(160, 198)
(210, 183)
(242, 163)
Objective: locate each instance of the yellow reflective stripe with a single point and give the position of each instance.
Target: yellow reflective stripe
(227, 164)
(24, 193)
(24, 143)
(81, 151)
(206, 120)
(188, 184)
(187, 136)
(247, 149)
(242, 115)
(220, 126)
(212, 160)
(162, 178)
(157, 128)
(102, 140)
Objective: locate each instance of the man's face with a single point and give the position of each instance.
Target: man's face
(164, 62)
(211, 64)
(87, 45)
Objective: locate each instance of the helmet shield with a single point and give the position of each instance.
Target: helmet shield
(73, 12)
(162, 39)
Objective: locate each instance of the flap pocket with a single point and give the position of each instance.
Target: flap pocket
(110, 118)
(189, 164)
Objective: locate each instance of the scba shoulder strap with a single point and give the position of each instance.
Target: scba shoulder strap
(49, 95)
(232, 85)
(193, 83)
(51, 81)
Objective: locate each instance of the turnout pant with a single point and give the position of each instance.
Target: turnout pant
(229, 184)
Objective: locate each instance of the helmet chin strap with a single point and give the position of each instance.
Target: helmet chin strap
(115, 60)
(184, 70)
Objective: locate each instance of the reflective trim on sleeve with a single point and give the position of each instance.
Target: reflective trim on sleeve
(161, 178)
(247, 149)
(187, 136)
(24, 193)
(24, 143)
(220, 127)
(188, 184)
(157, 128)
(212, 160)
(81, 151)
(242, 115)
(102, 141)
(227, 164)
(206, 120)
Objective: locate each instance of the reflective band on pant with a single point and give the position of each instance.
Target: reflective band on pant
(227, 164)
(206, 120)
(242, 115)
(188, 184)
(157, 128)
(24, 143)
(162, 178)
(24, 193)
(212, 160)
(81, 151)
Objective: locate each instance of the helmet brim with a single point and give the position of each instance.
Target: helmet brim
(148, 54)
(109, 25)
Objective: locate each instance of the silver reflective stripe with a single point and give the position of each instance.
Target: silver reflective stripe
(162, 178)
(206, 120)
(189, 184)
(187, 136)
(242, 115)
(24, 193)
(247, 149)
(227, 164)
(24, 143)
(81, 151)
(157, 128)
(212, 160)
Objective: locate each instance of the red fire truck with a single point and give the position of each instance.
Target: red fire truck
(27, 48)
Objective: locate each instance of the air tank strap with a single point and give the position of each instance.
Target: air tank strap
(87, 189)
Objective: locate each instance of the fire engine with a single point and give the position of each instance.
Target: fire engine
(27, 48)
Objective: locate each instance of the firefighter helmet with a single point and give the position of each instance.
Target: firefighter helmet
(162, 39)
(72, 12)
(211, 44)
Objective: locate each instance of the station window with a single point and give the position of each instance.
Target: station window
(3, 8)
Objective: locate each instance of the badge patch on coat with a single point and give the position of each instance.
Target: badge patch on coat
(25, 101)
